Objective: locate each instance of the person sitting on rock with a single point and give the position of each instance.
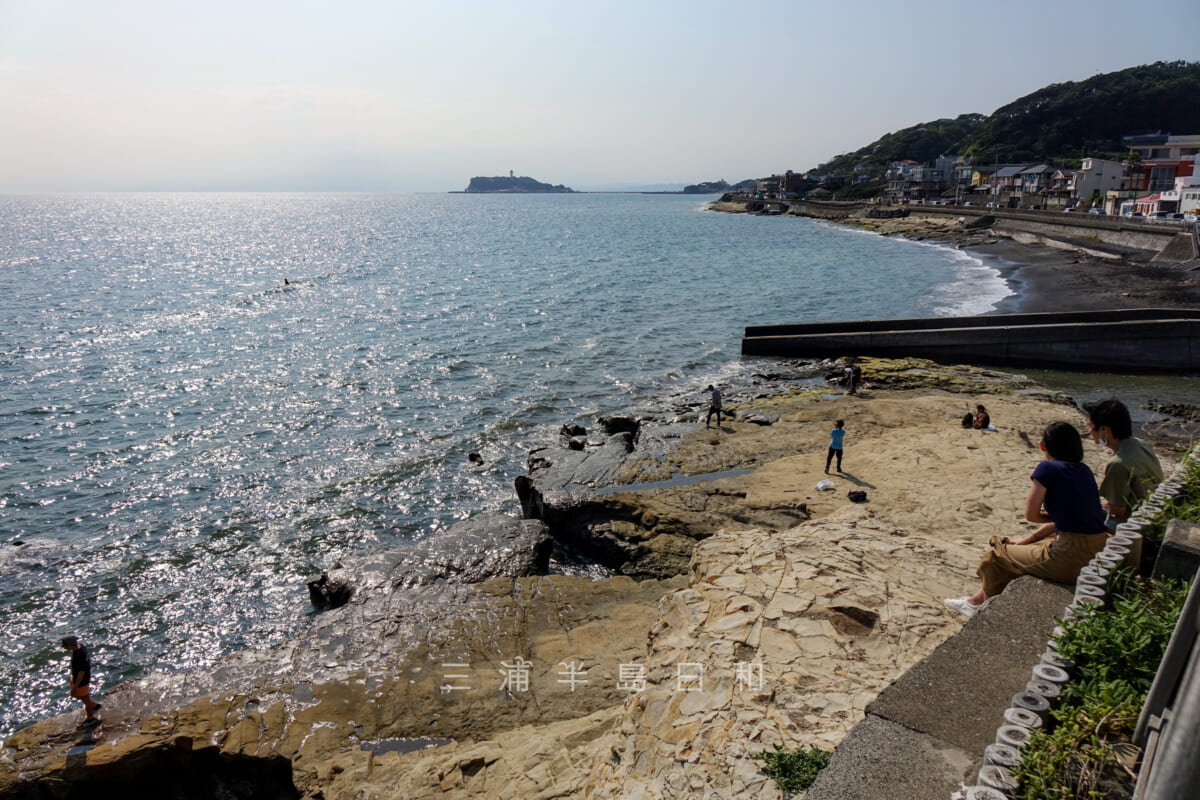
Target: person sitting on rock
(1133, 471)
(1063, 493)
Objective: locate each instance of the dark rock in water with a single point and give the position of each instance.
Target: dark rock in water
(486, 546)
(613, 425)
(571, 430)
(18, 543)
(577, 442)
(1185, 411)
(330, 591)
(475, 458)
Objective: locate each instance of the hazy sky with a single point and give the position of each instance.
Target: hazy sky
(420, 96)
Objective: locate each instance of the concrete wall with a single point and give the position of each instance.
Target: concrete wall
(1151, 236)
(1169, 341)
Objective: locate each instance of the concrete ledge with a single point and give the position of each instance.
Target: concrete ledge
(959, 692)
(1179, 556)
(1139, 340)
(880, 759)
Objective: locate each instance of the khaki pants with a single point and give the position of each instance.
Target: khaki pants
(1056, 558)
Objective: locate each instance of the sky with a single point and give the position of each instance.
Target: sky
(406, 96)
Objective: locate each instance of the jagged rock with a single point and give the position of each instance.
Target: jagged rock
(291, 721)
(615, 425)
(330, 591)
(486, 546)
(570, 430)
(577, 442)
(1185, 411)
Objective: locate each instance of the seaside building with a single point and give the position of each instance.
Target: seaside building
(1032, 184)
(1148, 205)
(1005, 184)
(897, 179)
(982, 179)
(778, 187)
(1096, 177)
(1189, 198)
(910, 182)
(1183, 197)
(1163, 158)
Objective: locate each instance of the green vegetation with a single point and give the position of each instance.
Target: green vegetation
(861, 191)
(1059, 123)
(793, 770)
(921, 143)
(1185, 505)
(1117, 653)
(1071, 120)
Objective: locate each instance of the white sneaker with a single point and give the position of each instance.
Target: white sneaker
(963, 605)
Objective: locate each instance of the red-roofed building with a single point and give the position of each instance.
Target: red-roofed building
(1147, 205)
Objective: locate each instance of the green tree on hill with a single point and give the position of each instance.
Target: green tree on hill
(1062, 122)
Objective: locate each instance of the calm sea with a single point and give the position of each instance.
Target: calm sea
(205, 398)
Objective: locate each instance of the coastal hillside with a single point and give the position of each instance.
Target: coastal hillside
(514, 185)
(1074, 119)
(923, 142)
(1062, 121)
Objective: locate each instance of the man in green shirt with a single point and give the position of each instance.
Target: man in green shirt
(1133, 471)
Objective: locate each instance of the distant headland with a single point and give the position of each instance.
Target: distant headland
(511, 184)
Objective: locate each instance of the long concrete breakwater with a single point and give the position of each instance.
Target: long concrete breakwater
(1135, 340)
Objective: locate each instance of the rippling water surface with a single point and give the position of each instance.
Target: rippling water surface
(205, 398)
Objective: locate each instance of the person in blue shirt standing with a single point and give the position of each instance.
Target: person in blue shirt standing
(835, 445)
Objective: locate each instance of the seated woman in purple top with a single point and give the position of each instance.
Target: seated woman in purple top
(1063, 492)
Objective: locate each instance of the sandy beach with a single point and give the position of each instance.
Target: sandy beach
(1045, 278)
(1048, 279)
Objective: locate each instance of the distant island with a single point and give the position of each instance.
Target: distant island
(514, 185)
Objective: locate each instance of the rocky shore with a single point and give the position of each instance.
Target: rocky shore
(731, 606)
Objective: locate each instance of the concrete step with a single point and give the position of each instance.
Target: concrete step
(925, 734)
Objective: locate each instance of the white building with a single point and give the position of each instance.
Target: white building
(1098, 176)
(1185, 196)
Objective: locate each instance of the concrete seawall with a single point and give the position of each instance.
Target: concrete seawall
(1164, 242)
(1137, 340)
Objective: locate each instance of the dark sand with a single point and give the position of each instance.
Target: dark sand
(1049, 279)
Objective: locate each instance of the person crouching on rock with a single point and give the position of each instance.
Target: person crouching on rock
(81, 679)
(1063, 492)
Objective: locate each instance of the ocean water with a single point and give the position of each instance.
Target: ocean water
(206, 398)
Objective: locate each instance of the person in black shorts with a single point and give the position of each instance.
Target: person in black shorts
(81, 679)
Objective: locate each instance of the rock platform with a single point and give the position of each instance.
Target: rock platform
(766, 612)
